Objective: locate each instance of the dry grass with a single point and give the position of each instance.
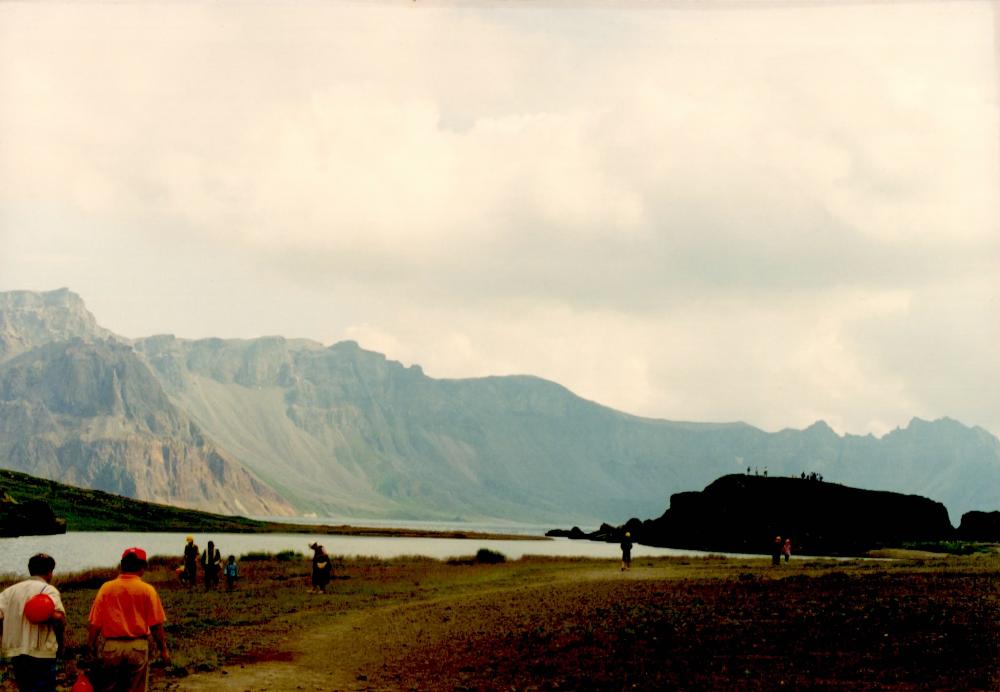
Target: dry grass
(545, 623)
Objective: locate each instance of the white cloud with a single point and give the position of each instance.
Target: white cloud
(703, 215)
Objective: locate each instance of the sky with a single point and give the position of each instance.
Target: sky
(776, 213)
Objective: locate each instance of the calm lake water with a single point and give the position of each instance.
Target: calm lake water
(84, 549)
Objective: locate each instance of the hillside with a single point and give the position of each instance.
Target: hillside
(271, 425)
(94, 510)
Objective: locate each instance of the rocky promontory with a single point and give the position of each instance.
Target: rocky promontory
(744, 513)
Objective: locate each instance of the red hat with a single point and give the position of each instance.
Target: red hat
(39, 608)
(138, 552)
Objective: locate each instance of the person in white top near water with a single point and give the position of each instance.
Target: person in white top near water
(33, 621)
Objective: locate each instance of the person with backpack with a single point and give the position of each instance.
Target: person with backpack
(33, 621)
(232, 571)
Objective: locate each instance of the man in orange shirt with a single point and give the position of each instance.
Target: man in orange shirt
(125, 613)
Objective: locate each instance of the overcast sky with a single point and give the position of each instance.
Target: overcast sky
(774, 215)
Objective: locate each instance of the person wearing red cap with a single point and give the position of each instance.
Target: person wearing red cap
(33, 642)
(125, 613)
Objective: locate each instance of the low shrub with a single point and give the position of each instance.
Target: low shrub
(283, 556)
(485, 556)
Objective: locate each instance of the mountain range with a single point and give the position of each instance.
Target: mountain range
(275, 426)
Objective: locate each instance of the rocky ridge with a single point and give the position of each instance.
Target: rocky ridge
(341, 431)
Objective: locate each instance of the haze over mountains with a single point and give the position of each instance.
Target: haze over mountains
(282, 426)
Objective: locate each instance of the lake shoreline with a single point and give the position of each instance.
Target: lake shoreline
(350, 530)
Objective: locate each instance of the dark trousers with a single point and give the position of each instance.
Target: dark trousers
(35, 674)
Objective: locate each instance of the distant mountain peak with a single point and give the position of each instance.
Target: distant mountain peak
(820, 426)
(33, 318)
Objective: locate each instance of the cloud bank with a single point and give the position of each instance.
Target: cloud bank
(773, 216)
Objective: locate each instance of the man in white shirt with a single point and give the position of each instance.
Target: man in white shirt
(32, 647)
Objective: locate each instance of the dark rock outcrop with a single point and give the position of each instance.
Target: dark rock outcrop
(980, 526)
(29, 518)
(743, 514)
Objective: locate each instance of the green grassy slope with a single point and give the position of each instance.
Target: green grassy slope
(94, 510)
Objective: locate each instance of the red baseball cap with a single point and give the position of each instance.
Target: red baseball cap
(138, 552)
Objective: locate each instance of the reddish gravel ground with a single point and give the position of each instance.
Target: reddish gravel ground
(727, 624)
(830, 631)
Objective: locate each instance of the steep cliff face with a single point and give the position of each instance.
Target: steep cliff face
(92, 414)
(344, 430)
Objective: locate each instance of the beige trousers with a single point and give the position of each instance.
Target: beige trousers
(125, 666)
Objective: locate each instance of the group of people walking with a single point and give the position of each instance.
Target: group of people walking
(125, 615)
(211, 566)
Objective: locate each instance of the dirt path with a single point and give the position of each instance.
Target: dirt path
(343, 654)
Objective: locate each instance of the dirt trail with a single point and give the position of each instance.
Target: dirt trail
(336, 655)
(321, 659)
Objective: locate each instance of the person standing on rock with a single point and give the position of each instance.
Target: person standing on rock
(626, 546)
(786, 549)
(776, 549)
(32, 627)
(126, 613)
(321, 568)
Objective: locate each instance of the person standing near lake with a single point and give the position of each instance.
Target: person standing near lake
(321, 568)
(232, 571)
(33, 646)
(211, 563)
(126, 612)
(191, 561)
(626, 546)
